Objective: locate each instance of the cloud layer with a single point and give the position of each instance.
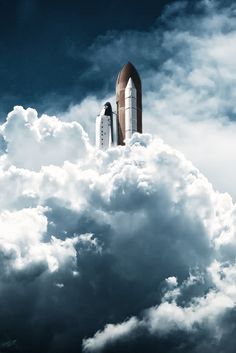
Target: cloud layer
(110, 251)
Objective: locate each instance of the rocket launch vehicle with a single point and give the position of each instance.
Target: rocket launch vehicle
(116, 129)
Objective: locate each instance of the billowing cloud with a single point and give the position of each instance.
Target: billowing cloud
(41, 139)
(110, 251)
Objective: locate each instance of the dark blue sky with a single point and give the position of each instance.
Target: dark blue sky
(43, 47)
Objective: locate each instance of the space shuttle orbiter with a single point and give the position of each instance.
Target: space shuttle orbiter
(112, 130)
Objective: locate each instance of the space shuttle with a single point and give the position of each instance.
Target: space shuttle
(117, 128)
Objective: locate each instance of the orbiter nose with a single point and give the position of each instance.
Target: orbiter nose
(108, 109)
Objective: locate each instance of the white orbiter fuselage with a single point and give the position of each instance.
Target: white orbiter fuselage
(104, 128)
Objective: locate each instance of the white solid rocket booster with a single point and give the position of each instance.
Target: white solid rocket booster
(130, 109)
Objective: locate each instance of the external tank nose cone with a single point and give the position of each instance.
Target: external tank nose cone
(126, 72)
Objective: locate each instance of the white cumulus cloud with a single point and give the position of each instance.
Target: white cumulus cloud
(134, 241)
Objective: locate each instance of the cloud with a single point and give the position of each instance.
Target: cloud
(110, 250)
(111, 333)
(204, 312)
(41, 139)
